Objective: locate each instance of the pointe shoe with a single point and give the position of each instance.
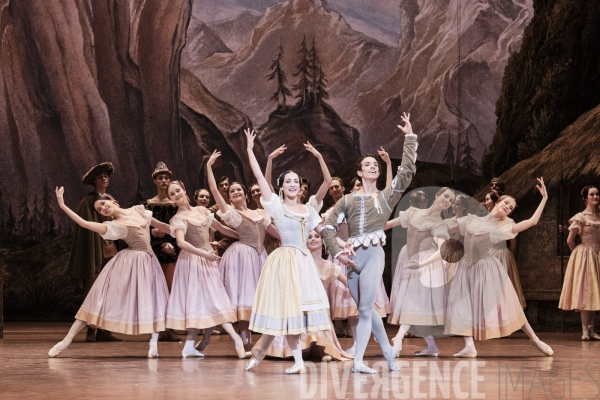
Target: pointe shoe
(296, 370)
(196, 353)
(543, 347)
(54, 352)
(593, 335)
(252, 363)
(362, 369)
(327, 358)
(390, 359)
(585, 335)
(397, 348)
(152, 355)
(242, 353)
(464, 353)
(427, 353)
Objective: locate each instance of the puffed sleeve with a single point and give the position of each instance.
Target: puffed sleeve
(176, 224)
(577, 223)
(502, 233)
(312, 201)
(405, 216)
(273, 206)
(230, 217)
(315, 220)
(114, 231)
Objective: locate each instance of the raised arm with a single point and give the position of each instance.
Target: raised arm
(269, 170)
(326, 175)
(212, 183)
(92, 226)
(388, 170)
(182, 244)
(224, 229)
(523, 225)
(265, 187)
(407, 169)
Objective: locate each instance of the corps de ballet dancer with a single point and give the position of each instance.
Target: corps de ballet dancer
(130, 295)
(366, 213)
(482, 302)
(198, 299)
(581, 287)
(422, 293)
(242, 262)
(290, 299)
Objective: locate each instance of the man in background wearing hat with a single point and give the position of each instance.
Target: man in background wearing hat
(89, 252)
(163, 245)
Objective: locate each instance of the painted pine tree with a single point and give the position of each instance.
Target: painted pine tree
(319, 80)
(278, 75)
(303, 72)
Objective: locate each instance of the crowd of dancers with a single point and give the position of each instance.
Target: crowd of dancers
(192, 268)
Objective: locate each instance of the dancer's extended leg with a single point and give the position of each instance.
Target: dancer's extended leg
(77, 326)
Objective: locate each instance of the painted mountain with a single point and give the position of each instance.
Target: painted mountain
(352, 62)
(234, 32)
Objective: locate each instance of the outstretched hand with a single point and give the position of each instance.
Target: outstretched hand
(213, 157)
(542, 188)
(311, 148)
(407, 128)
(383, 155)
(59, 196)
(250, 135)
(277, 152)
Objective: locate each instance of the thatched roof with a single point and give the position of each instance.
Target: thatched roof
(579, 147)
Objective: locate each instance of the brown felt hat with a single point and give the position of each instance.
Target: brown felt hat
(105, 167)
(161, 168)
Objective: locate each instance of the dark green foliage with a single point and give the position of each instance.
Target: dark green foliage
(549, 83)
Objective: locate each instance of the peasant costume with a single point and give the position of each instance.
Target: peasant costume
(130, 294)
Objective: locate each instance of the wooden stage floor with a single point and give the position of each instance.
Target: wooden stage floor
(508, 368)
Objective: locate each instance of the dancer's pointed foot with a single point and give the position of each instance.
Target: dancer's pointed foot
(352, 350)
(361, 368)
(242, 353)
(252, 363)
(57, 349)
(467, 352)
(434, 352)
(543, 347)
(195, 353)
(397, 345)
(390, 359)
